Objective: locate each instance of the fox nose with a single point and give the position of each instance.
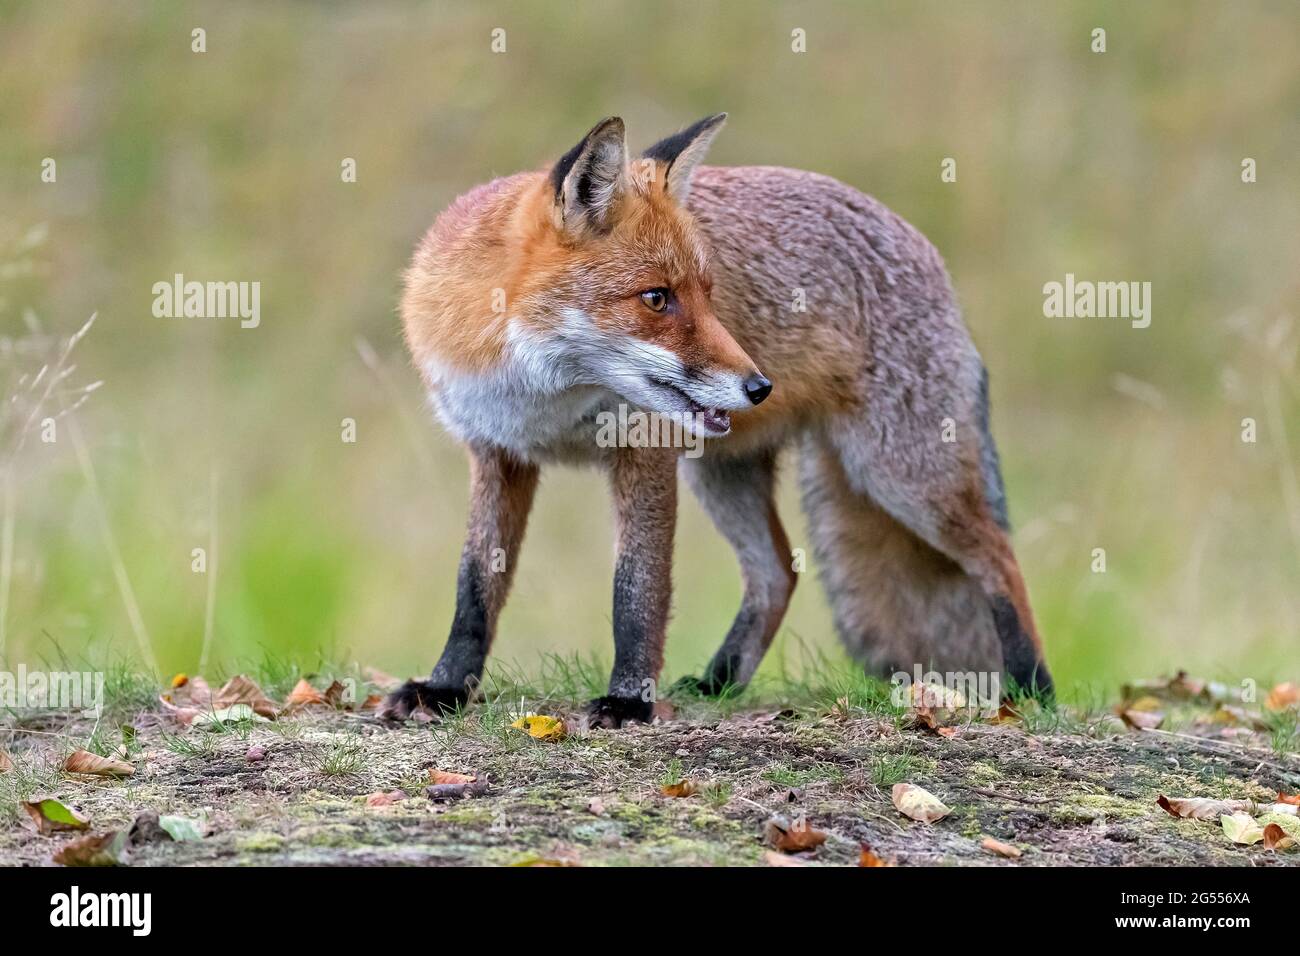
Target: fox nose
(757, 388)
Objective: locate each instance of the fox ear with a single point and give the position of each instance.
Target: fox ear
(682, 152)
(589, 179)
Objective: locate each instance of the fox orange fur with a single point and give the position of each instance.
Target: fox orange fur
(767, 308)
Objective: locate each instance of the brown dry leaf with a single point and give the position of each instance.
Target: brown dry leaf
(385, 799)
(83, 761)
(335, 692)
(948, 731)
(6, 762)
(918, 803)
(1202, 808)
(372, 701)
(1292, 798)
(1283, 696)
(180, 680)
(1147, 703)
(683, 788)
(866, 857)
(1142, 719)
(794, 837)
(303, 695)
(1275, 838)
(447, 777)
(104, 850)
(53, 816)
(1000, 848)
(241, 690)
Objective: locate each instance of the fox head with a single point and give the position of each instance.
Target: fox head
(610, 282)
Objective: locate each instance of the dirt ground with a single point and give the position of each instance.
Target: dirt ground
(1061, 788)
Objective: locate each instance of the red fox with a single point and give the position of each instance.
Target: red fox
(769, 306)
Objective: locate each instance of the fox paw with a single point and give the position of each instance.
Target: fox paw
(614, 712)
(415, 696)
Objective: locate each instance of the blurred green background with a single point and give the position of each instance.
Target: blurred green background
(225, 165)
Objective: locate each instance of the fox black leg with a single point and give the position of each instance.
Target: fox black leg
(644, 486)
(501, 495)
(738, 495)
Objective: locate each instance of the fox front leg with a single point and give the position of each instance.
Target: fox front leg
(501, 495)
(644, 486)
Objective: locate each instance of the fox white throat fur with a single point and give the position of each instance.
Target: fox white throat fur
(541, 303)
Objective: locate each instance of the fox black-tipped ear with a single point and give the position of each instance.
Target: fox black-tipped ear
(589, 178)
(682, 152)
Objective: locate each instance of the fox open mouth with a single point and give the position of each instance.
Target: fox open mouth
(713, 421)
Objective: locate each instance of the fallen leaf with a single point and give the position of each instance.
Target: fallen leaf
(241, 690)
(83, 761)
(372, 701)
(385, 799)
(936, 696)
(335, 693)
(918, 803)
(1275, 838)
(52, 815)
(1147, 703)
(1283, 696)
(544, 861)
(182, 829)
(1178, 687)
(234, 714)
(683, 788)
(105, 850)
(789, 837)
(1202, 808)
(303, 695)
(180, 680)
(1000, 848)
(868, 858)
(1291, 798)
(6, 762)
(1142, 719)
(541, 727)
(446, 776)
(948, 731)
(255, 754)
(1241, 828)
(596, 807)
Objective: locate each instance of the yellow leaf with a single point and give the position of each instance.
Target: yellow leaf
(6, 762)
(1241, 828)
(541, 727)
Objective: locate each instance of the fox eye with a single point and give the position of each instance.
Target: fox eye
(656, 300)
